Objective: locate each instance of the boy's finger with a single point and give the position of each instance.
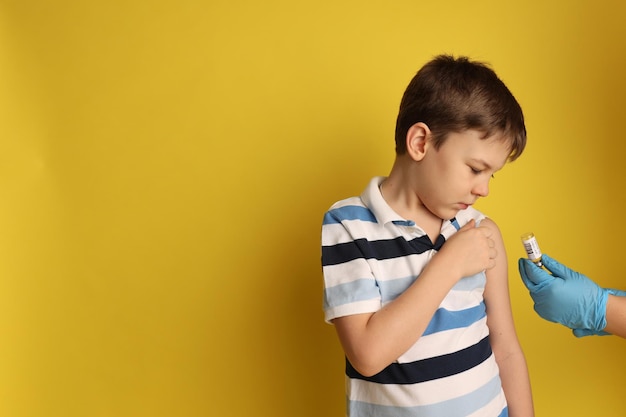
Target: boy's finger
(468, 225)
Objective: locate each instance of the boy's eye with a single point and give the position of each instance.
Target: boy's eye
(479, 171)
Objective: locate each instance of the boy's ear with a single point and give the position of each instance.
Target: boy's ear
(418, 141)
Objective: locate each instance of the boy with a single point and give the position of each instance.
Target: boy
(415, 278)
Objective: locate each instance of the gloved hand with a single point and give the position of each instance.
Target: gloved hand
(586, 332)
(566, 296)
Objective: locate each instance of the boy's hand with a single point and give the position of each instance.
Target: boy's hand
(471, 249)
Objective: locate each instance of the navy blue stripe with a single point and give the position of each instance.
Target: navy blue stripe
(429, 369)
(378, 249)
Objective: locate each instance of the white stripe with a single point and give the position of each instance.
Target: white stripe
(445, 342)
(347, 272)
(359, 229)
(494, 408)
(411, 265)
(385, 270)
(425, 393)
(335, 233)
(462, 299)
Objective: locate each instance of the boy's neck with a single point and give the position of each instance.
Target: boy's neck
(398, 191)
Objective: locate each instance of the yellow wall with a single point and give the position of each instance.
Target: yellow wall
(164, 167)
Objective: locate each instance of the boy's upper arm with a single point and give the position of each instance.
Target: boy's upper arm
(497, 299)
(349, 330)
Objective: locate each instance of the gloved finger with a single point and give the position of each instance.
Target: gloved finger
(557, 268)
(532, 275)
(587, 332)
(582, 332)
(522, 272)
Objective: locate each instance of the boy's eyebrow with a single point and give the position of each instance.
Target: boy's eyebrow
(482, 162)
(485, 164)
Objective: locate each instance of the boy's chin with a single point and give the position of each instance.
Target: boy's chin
(448, 214)
(445, 213)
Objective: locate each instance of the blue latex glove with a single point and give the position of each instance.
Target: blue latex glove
(566, 296)
(586, 332)
(617, 293)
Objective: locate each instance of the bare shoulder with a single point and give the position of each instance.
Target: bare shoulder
(493, 227)
(499, 272)
(488, 222)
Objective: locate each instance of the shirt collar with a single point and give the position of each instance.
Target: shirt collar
(373, 199)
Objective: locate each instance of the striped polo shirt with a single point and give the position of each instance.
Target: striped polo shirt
(370, 255)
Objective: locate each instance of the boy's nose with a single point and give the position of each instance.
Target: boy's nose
(481, 189)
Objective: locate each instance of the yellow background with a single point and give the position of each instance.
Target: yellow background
(164, 168)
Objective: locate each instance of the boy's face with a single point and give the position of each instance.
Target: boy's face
(457, 174)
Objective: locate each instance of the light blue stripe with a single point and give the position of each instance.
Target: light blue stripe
(349, 213)
(366, 289)
(391, 289)
(471, 283)
(447, 320)
(350, 292)
(456, 407)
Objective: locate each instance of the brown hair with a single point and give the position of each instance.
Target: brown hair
(453, 95)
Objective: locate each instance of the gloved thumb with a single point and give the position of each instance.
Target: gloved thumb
(557, 268)
(532, 275)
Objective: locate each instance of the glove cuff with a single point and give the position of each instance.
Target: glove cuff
(617, 293)
(599, 322)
